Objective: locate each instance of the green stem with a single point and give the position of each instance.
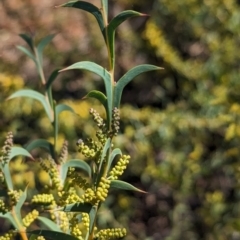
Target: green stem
(21, 229)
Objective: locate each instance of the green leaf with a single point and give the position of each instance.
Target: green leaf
(110, 30)
(41, 143)
(103, 73)
(37, 96)
(49, 223)
(100, 97)
(52, 235)
(42, 45)
(51, 79)
(27, 52)
(10, 218)
(88, 7)
(114, 153)
(128, 77)
(92, 215)
(28, 40)
(104, 152)
(63, 107)
(77, 207)
(76, 163)
(124, 185)
(60, 108)
(7, 176)
(17, 151)
(19, 205)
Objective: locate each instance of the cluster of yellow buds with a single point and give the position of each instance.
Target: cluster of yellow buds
(40, 238)
(76, 179)
(85, 150)
(3, 208)
(119, 168)
(2, 178)
(14, 196)
(75, 229)
(6, 149)
(61, 219)
(76, 232)
(85, 220)
(11, 235)
(64, 152)
(107, 234)
(68, 197)
(43, 199)
(30, 217)
(51, 168)
(115, 122)
(97, 119)
(89, 196)
(102, 190)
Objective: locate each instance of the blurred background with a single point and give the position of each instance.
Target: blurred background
(180, 125)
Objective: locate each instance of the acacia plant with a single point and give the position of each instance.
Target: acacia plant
(68, 207)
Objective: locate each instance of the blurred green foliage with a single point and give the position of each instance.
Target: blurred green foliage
(184, 140)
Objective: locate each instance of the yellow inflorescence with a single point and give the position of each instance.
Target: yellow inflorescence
(85, 220)
(61, 219)
(107, 234)
(6, 149)
(85, 150)
(40, 238)
(30, 217)
(11, 235)
(64, 153)
(102, 190)
(14, 196)
(3, 208)
(52, 170)
(89, 196)
(68, 197)
(120, 167)
(43, 199)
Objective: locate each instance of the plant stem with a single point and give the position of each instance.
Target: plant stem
(21, 229)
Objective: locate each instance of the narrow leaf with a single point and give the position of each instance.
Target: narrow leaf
(42, 45)
(53, 235)
(60, 108)
(19, 205)
(27, 52)
(103, 73)
(51, 79)
(114, 153)
(109, 32)
(41, 143)
(76, 163)
(124, 185)
(92, 216)
(49, 83)
(7, 176)
(128, 77)
(100, 97)
(63, 107)
(37, 96)
(49, 223)
(17, 151)
(88, 7)
(104, 152)
(77, 207)
(27, 39)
